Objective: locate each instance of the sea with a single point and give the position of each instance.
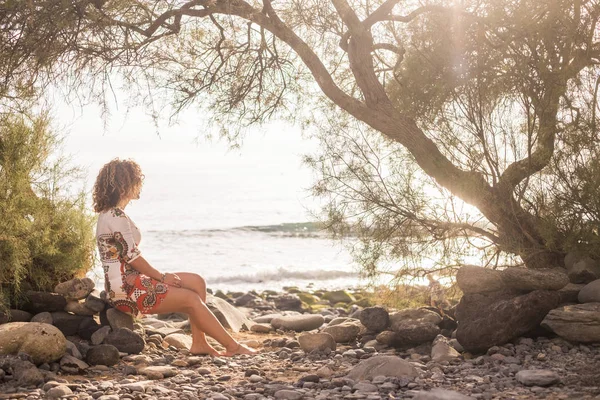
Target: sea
(242, 216)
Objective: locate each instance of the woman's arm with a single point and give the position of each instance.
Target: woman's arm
(143, 267)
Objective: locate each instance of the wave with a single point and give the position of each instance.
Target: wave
(290, 229)
(283, 274)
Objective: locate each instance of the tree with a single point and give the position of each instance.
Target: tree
(489, 98)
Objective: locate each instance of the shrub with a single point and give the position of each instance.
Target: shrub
(46, 233)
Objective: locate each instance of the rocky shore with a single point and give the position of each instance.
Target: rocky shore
(319, 345)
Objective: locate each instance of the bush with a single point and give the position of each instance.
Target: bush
(46, 233)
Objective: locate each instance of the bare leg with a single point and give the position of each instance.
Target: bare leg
(188, 301)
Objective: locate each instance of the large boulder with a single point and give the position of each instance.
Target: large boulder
(345, 332)
(125, 341)
(473, 279)
(583, 270)
(590, 293)
(37, 302)
(491, 320)
(316, 342)
(392, 366)
(75, 289)
(229, 316)
(375, 319)
(577, 323)
(43, 342)
(298, 323)
(528, 280)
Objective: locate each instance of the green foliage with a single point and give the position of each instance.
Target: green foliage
(46, 233)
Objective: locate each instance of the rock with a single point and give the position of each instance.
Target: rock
(585, 270)
(94, 302)
(473, 279)
(125, 340)
(67, 323)
(375, 319)
(577, 323)
(38, 302)
(16, 316)
(316, 341)
(25, 373)
(158, 372)
(338, 296)
(77, 308)
(266, 319)
(298, 323)
(104, 354)
(590, 293)
(229, 316)
(389, 338)
(72, 365)
(87, 328)
(73, 350)
(261, 328)
(43, 342)
(416, 333)
(343, 333)
(288, 302)
(179, 340)
(324, 372)
(527, 279)
(118, 319)
(490, 320)
(442, 350)
(58, 391)
(382, 365)
(570, 293)
(99, 336)
(75, 289)
(537, 377)
(413, 315)
(365, 387)
(245, 299)
(287, 394)
(441, 394)
(43, 318)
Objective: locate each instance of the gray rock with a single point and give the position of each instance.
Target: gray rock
(316, 341)
(77, 308)
(58, 391)
(584, 270)
(101, 334)
(298, 323)
(473, 279)
(87, 328)
(17, 316)
(375, 319)
(578, 323)
(442, 350)
(118, 319)
(229, 316)
(72, 365)
(590, 293)
(43, 318)
(43, 342)
(179, 340)
(526, 279)
(266, 319)
(382, 365)
(104, 354)
(73, 350)
(365, 387)
(413, 315)
(94, 302)
(25, 373)
(37, 302)
(75, 289)
(537, 377)
(261, 328)
(158, 372)
(570, 293)
(245, 299)
(126, 341)
(441, 394)
(343, 333)
(67, 323)
(288, 302)
(286, 394)
(414, 326)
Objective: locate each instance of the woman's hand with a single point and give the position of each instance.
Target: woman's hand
(172, 279)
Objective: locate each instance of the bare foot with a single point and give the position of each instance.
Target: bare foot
(239, 348)
(204, 350)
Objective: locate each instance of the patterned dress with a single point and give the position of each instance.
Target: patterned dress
(127, 290)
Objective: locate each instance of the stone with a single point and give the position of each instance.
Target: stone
(585, 270)
(298, 323)
(411, 333)
(37, 302)
(118, 319)
(25, 373)
(75, 289)
(389, 338)
(338, 296)
(343, 333)
(43, 342)
(375, 319)
(179, 340)
(245, 299)
(17, 316)
(104, 354)
(288, 302)
(577, 323)
(287, 394)
(101, 334)
(570, 293)
(67, 323)
(43, 318)
(365, 387)
(72, 365)
(486, 320)
(261, 328)
(94, 302)
(73, 350)
(442, 350)
(229, 316)
(537, 377)
(158, 372)
(413, 315)
(77, 308)
(266, 319)
(527, 279)
(316, 341)
(126, 341)
(590, 293)
(441, 394)
(382, 365)
(58, 391)
(87, 328)
(473, 279)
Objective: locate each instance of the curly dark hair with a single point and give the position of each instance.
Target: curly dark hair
(117, 180)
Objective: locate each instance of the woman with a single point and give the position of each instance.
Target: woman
(132, 284)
